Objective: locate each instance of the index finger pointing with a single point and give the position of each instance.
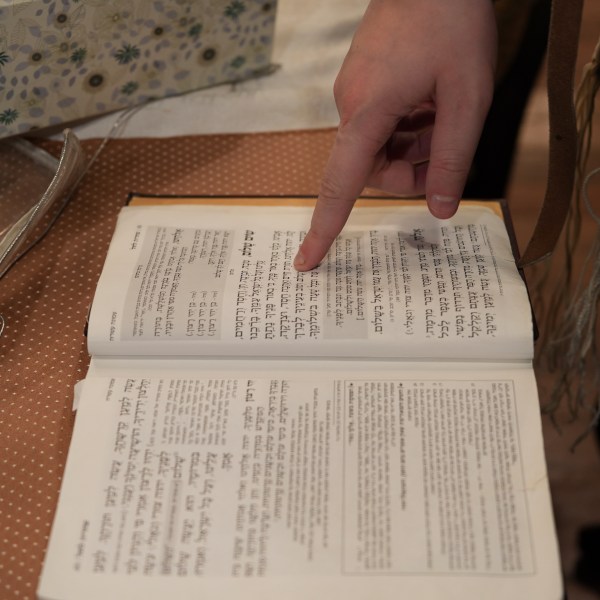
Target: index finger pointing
(346, 173)
(344, 177)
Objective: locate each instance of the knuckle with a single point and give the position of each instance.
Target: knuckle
(349, 96)
(451, 162)
(338, 89)
(330, 191)
(341, 96)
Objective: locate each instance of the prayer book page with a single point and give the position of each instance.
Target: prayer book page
(428, 482)
(219, 281)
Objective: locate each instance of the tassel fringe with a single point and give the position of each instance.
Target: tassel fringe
(568, 346)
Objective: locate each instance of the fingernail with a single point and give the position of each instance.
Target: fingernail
(445, 200)
(446, 205)
(299, 260)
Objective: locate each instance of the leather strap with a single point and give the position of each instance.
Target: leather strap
(565, 21)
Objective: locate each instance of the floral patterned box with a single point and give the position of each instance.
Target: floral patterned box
(63, 60)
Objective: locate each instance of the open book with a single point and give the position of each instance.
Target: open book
(369, 429)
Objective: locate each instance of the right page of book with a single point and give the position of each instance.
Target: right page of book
(219, 281)
(389, 482)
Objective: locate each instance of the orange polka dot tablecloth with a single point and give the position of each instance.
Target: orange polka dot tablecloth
(45, 299)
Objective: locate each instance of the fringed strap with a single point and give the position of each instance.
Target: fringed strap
(562, 289)
(570, 349)
(565, 21)
(575, 339)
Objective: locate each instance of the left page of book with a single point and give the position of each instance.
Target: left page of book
(219, 281)
(362, 483)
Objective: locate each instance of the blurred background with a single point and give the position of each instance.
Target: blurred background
(574, 472)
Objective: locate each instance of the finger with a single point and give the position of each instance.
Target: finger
(401, 179)
(345, 176)
(418, 120)
(411, 147)
(397, 167)
(458, 125)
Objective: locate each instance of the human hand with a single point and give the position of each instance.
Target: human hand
(412, 95)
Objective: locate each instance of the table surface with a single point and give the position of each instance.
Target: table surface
(46, 296)
(45, 299)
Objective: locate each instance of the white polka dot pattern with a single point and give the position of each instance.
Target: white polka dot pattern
(45, 298)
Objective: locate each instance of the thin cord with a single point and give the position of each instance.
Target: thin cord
(586, 195)
(115, 131)
(577, 373)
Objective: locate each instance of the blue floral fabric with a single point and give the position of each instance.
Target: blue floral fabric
(63, 60)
